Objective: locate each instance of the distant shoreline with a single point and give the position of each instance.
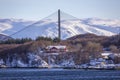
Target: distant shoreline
(64, 68)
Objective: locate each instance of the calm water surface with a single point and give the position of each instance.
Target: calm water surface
(58, 74)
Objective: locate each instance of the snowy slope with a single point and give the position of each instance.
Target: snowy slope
(69, 28)
(2, 36)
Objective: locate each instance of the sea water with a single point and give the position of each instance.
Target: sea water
(58, 74)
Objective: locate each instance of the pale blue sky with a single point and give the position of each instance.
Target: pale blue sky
(38, 9)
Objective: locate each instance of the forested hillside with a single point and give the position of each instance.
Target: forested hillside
(30, 53)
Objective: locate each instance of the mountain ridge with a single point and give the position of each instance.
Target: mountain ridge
(69, 28)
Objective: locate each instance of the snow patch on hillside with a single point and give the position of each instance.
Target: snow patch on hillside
(5, 26)
(69, 28)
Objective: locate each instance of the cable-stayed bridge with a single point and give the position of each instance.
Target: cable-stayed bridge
(52, 23)
(62, 25)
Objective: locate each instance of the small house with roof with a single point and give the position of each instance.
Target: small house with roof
(56, 48)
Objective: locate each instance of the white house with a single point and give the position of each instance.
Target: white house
(106, 54)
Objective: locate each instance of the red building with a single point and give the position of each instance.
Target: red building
(58, 48)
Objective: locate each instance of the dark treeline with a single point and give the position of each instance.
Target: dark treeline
(47, 39)
(103, 40)
(24, 40)
(16, 41)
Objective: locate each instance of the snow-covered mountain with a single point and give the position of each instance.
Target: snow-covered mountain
(49, 27)
(4, 37)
